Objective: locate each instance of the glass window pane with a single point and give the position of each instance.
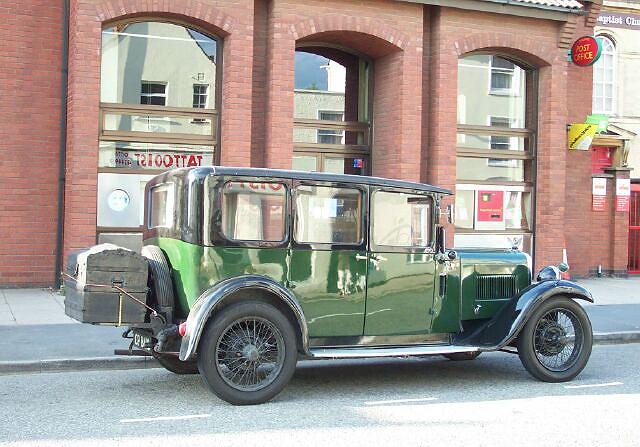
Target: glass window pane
(254, 211)
(155, 58)
(161, 206)
(305, 163)
(401, 220)
(128, 156)
(114, 121)
(464, 209)
(504, 94)
(328, 215)
(523, 241)
(489, 169)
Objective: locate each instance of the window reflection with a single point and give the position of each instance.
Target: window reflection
(502, 99)
(159, 64)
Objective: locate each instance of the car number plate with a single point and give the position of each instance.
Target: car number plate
(142, 340)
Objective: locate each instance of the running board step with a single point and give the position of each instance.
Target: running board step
(387, 351)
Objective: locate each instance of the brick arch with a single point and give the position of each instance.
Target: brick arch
(529, 50)
(355, 29)
(195, 11)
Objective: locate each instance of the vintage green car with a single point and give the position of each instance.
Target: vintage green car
(252, 269)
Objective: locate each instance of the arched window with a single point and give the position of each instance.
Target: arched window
(604, 79)
(331, 111)
(495, 153)
(159, 96)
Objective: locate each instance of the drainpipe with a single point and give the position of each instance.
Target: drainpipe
(63, 143)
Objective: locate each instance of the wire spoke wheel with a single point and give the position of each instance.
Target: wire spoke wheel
(250, 353)
(555, 343)
(558, 339)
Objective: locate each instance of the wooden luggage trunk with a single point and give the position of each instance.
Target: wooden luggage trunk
(86, 298)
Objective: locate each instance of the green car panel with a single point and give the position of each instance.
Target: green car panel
(399, 293)
(331, 288)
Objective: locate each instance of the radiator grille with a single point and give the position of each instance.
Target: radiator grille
(492, 287)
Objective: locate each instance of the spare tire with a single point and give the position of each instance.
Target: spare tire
(160, 277)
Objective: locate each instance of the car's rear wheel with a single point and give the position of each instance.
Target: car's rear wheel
(555, 344)
(248, 353)
(175, 365)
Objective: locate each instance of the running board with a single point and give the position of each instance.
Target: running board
(387, 351)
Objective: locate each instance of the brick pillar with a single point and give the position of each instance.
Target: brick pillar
(397, 114)
(281, 47)
(441, 116)
(619, 239)
(551, 164)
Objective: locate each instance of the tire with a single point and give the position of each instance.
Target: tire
(225, 358)
(462, 356)
(547, 336)
(173, 364)
(160, 277)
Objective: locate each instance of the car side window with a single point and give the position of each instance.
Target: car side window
(401, 219)
(161, 206)
(254, 211)
(328, 215)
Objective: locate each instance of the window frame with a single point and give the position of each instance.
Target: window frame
(515, 78)
(429, 249)
(325, 246)
(258, 242)
(164, 95)
(213, 234)
(171, 224)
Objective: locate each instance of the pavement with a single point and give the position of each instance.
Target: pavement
(491, 401)
(37, 336)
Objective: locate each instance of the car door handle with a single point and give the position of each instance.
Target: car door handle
(361, 257)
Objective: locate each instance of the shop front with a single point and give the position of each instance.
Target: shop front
(473, 96)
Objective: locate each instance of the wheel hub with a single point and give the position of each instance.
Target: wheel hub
(250, 352)
(554, 339)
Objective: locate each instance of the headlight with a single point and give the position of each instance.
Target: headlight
(549, 273)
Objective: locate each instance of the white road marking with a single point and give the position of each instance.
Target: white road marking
(166, 418)
(594, 385)
(401, 401)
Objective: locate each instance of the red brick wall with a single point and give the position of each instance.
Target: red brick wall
(30, 85)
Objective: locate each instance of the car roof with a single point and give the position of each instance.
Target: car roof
(302, 175)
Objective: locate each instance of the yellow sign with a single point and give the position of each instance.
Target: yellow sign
(581, 136)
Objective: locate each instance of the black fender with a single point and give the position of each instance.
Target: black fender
(505, 326)
(212, 298)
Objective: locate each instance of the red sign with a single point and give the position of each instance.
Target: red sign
(622, 203)
(585, 51)
(599, 203)
(490, 206)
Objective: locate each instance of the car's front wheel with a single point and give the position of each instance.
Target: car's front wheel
(555, 344)
(248, 353)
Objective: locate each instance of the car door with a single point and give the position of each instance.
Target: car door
(328, 263)
(400, 282)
